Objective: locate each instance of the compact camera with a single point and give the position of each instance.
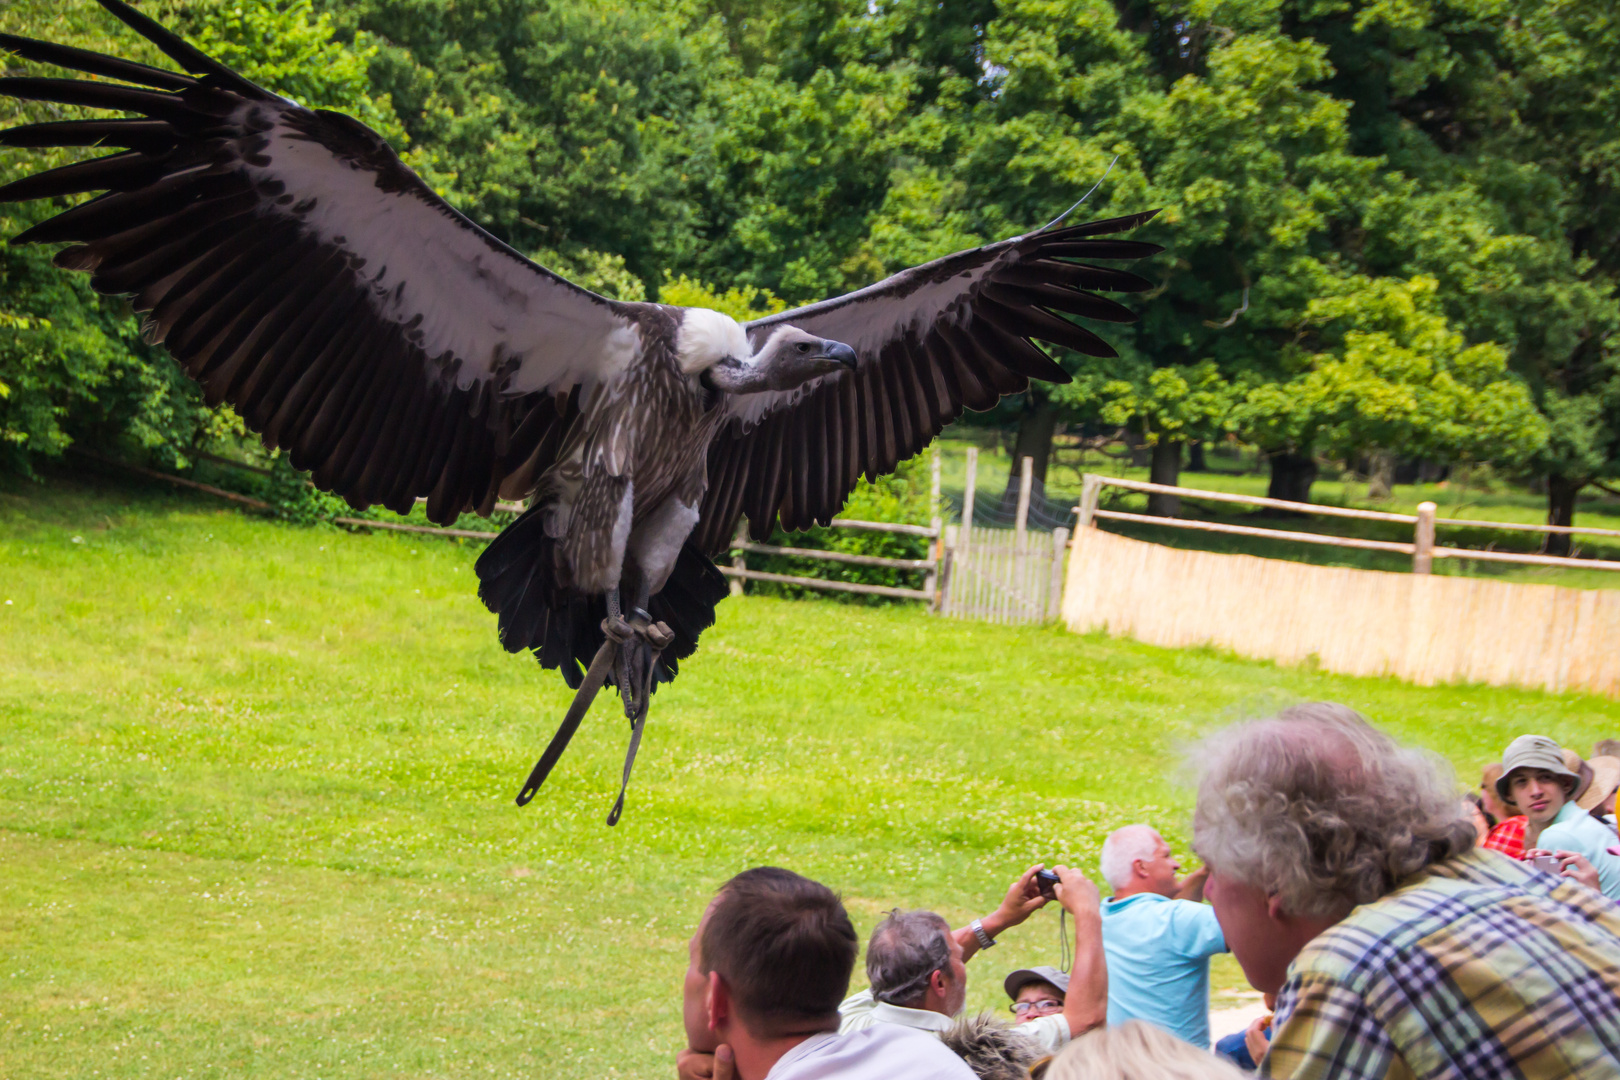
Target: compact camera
(1045, 880)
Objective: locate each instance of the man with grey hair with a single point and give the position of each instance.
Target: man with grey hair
(1346, 881)
(916, 965)
(1157, 936)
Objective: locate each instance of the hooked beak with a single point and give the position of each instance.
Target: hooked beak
(837, 350)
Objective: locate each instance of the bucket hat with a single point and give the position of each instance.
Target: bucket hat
(1540, 752)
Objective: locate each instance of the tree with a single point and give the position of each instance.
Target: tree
(1170, 406)
(1380, 367)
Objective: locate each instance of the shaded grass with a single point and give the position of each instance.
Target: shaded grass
(256, 781)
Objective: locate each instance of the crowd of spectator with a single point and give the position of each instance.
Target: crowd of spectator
(1394, 931)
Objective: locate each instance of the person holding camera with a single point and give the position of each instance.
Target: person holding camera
(916, 967)
(1158, 936)
(1538, 782)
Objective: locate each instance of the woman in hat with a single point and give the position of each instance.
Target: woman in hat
(1539, 783)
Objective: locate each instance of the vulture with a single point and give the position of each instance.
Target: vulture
(298, 270)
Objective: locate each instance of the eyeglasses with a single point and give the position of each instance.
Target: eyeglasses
(1019, 1008)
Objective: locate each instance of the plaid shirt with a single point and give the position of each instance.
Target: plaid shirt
(1508, 837)
(1476, 967)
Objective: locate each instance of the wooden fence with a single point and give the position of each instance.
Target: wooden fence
(1417, 626)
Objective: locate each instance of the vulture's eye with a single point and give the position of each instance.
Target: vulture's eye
(804, 346)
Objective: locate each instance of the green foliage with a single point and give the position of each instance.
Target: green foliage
(1393, 373)
(1302, 154)
(741, 302)
(901, 496)
(1192, 402)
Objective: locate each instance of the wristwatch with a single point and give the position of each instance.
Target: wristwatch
(985, 940)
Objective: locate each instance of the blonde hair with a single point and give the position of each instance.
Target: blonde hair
(1134, 1051)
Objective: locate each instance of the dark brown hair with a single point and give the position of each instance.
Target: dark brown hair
(785, 947)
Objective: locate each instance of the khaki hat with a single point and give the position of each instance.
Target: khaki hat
(1605, 779)
(1540, 752)
(1024, 976)
(1581, 769)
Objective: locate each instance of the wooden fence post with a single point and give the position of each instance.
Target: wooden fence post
(1423, 539)
(947, 559)
(936, 546)
(1054, 599)
(1090, 492)
(739, 561)
(1021, 583)
(965, 539)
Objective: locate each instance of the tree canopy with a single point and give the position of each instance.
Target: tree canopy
(1390, 227)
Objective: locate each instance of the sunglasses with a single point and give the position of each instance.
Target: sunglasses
(1019, 1008)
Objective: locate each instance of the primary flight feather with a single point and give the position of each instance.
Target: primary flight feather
(298, 270)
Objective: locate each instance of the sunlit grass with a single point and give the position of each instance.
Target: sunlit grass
(256, 782)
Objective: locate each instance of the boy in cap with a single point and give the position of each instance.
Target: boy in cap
(1036, 992)
(1538, 782)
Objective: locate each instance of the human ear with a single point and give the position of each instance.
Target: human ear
(717, 1002)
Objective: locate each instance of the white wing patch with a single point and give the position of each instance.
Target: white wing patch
(467, 298)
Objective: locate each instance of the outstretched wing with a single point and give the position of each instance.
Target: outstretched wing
(934, 340)
(298, 270)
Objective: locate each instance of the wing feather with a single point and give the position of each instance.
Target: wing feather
(296, 268)
(957, 333)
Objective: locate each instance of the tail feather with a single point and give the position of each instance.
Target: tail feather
(518, 581)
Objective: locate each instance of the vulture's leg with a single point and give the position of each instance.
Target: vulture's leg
(654, 545)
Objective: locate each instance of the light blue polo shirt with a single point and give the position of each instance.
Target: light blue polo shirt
(1158, 953)
(1576, 830)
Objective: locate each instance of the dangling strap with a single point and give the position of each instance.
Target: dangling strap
(629, 761)
(600, 663)
(636, 689)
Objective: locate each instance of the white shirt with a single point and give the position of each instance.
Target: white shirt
(860, 1011)
(880, 1052)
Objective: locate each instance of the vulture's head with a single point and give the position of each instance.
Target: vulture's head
(793, 357)
(789, 358)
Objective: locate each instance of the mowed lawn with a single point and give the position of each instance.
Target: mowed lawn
(256, 794)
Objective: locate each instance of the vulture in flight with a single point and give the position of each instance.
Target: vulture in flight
(298, 270)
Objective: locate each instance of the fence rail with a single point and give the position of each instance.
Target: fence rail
(1422, 548)
(930, 592)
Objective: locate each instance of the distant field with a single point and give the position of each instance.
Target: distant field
(256, 781)
(1455, 500)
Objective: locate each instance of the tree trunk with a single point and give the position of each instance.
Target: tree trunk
(1291, 476)
(1561, 492)
(1380, 474)
(1166, 469)
(1195, 456)
(1034, 440)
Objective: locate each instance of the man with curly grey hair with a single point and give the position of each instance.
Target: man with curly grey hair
(1346, 882)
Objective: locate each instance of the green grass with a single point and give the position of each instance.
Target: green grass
(256, 781)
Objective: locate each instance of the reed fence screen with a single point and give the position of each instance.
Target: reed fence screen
(1421, 627)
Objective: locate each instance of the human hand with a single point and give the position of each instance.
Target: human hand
(1023, 899)
(696, 1065)
(1255, 1037)
(1574, 865)
(1076, 892)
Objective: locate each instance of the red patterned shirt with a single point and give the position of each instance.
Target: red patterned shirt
(1508, 837)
